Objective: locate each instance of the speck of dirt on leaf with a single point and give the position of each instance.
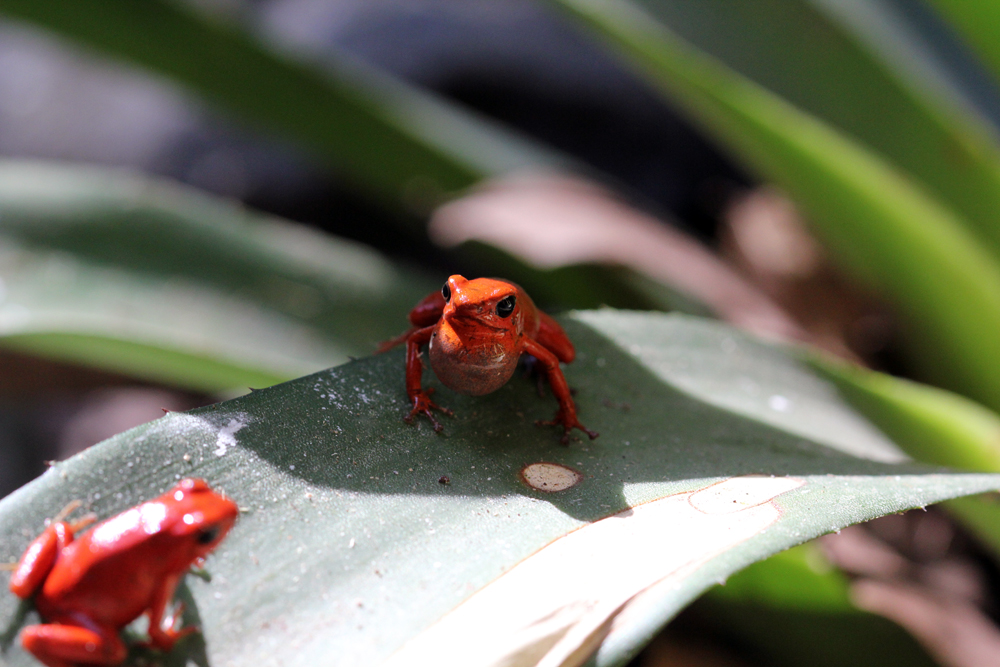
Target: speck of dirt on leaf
(550, 477)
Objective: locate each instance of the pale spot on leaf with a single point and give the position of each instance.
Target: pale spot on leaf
(550, 477)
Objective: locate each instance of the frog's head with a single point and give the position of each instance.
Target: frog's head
(198, 517)
(482, 308)
(476, 345)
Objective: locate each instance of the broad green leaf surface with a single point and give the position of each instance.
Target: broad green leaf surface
(806, 52)
(117, 270)
(876, 221)
(351, 549)
(382, 134)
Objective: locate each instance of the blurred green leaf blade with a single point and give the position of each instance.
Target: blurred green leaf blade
(807, 52)
(799, 591)
(931, 425)
(876, 221)
(391, 139)
(978, 22)
(116, 270)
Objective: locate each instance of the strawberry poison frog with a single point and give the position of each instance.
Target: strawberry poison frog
(88, 588)
(476, 331)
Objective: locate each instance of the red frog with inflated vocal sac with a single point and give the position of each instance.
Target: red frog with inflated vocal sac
(476, 331)
(88, 588)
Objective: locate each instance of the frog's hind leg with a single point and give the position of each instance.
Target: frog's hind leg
(72, 645)
(38, 559)
(387, 345)
(552, 337)
(424, 314)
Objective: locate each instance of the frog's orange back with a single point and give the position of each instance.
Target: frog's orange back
(113, 587)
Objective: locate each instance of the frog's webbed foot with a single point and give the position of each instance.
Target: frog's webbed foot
(568, 422)
(423, 405)
(71, 507)
(83, 522)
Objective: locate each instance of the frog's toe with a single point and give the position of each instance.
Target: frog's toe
(568, 424)
(423, 405)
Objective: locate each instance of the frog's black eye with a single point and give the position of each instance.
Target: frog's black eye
(446, 292)
(505, 306)
(208, 535)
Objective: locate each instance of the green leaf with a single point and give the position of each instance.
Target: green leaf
(978, 22)
(715, 451)
(120, 271)
(931, 425)
(799, 578)
(876, 221)
(799, 591)
(833, 61)
(384, 135)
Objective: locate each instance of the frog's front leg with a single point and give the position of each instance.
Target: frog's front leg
(68, 645)
(566, 416)
(420, 397)
(162, 632)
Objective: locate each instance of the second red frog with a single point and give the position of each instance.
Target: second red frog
(88, 588)
(476, 331)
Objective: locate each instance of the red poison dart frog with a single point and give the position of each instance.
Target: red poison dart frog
(88, 588)
(476, 330)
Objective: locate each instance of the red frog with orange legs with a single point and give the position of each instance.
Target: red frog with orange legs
(88, 588)
(476, 331)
